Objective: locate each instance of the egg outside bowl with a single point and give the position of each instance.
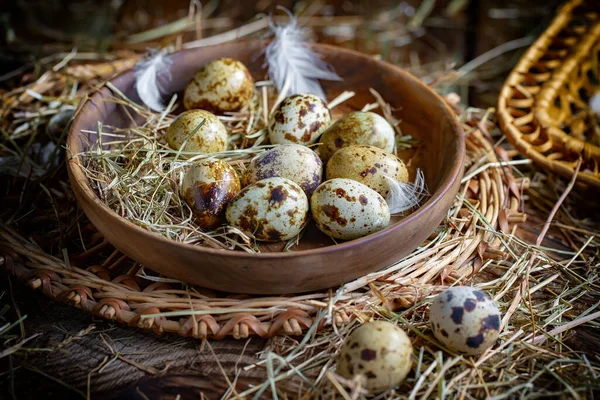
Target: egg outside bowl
(319, 263)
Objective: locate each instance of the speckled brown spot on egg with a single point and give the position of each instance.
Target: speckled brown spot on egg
(290, 138)
(443, 332)
(306, 137)
(457, 315)
(247, 221)
(370, 375)
(363, 200)
(368, 171)
(368, 354)
(340, 192)
(469, 305)
(292, 214)
(480, 295)
(475, 341)
(273, 235)
(278, 195)
(491, 322)
(333, 213)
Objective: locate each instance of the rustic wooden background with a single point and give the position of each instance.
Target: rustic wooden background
(457, 30)
(135, 361)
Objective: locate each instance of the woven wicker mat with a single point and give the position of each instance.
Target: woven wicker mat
(91, 275)
(543, 107)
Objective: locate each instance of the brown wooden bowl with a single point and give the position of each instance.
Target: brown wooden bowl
(318, 263)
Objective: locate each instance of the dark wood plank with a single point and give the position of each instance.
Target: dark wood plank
(176, 358)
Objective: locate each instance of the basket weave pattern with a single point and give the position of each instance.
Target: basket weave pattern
(543, 107)
(103, 282)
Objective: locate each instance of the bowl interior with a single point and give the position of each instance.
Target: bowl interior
(317, 263)
(420, 112)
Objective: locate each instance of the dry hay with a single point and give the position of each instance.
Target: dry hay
(546, 294)
(136, 174)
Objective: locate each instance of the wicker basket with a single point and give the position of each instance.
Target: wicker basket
(105, 283)
(543, 107)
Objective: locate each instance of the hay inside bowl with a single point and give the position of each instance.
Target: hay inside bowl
(139, 176)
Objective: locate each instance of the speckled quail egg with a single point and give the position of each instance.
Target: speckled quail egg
(465, 320)
(358, 127)
(207, 188)
(292, 161)
(299, 119)
(221, 85)
(368, 165)
(200, 131)
(346, 209)
(380, 351)
(270, 210)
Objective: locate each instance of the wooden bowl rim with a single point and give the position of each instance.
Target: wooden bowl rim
(74, 167)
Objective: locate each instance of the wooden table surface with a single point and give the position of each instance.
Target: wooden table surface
(148, 362)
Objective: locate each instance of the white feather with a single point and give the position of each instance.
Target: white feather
(293, 66)
(151, 76)
(404, 196)
(595, 103)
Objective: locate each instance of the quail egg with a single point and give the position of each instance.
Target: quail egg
(465, 320)
(380, 351)
(270, 210)
(299, 119)
(207, 188)
(346, 209)
(357, 127)
(368, 165)
(221, 85)
(197, 131)
(292, 161)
